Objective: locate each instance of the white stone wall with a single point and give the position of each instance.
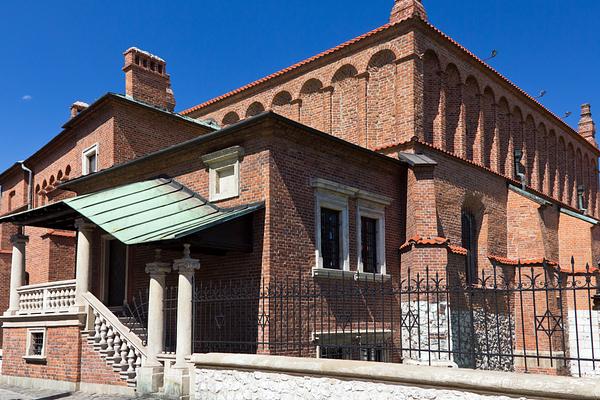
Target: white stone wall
(589, 342)
(221, 384)
(425, 326)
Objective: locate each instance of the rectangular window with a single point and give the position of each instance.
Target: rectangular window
(90, 160)
(330, 238)
(36, 343)
(223, 173)
(469, 242)
(225, 182)
(369, 244)
(350, 352)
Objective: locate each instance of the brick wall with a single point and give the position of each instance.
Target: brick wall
(63, 347)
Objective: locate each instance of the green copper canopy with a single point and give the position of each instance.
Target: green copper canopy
(142, 212)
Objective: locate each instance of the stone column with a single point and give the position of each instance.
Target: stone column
(17, 271)
(84, 259)
(177, 379)
(150, 377)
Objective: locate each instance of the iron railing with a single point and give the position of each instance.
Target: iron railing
(511, 318)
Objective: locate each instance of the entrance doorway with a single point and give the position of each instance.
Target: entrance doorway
(115, 272)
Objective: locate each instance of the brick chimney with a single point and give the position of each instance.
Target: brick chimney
(146, 79)
(78, 107)
(587, 127)
(404, 9)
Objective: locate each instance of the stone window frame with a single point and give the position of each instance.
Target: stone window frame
(85, 154)
(337, 201)
(28, 349)
(219, 161)
(375, 211)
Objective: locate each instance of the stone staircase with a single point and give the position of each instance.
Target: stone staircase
(117, 339)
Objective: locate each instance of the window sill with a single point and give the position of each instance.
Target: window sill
(325, 273)
(35, 359)
(221, 197)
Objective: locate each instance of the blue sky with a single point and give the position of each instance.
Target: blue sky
(56, 52)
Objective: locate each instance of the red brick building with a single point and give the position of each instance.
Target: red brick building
(396, 151)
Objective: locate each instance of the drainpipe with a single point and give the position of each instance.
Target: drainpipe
(29, 188)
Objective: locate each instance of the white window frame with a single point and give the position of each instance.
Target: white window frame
(85, 158)
(376, 212)
(218, 161)
(28, 354)
(337, 202)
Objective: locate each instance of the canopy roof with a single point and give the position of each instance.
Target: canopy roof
(143, 212)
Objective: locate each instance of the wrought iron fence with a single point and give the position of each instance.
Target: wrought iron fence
(511, 318)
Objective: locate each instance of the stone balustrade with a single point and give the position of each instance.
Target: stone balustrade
(118, 346)
(47, 298)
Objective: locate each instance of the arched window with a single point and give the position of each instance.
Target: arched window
(469, 242)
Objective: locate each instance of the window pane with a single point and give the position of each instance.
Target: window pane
(369, 244)
(92, 163)
(330, 238)
(37, 343)
(469, 242)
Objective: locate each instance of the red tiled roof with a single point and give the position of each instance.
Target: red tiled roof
(291, 68)
(457, 250)
(417, 239)
(369, 34)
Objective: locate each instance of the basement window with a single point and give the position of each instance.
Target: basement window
(224, 173)
(363, 346)
(36, 344)
(90, 160)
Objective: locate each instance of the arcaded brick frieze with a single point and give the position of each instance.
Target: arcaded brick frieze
(408, 79)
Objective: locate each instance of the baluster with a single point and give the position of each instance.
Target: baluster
(97, 324)
(103, 331)
(138, 360)
(116, 358)
(124, 352)
(110, 338)
(131, 362)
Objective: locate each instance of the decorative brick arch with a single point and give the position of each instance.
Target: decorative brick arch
(562, 170)
(254, 109)
(432, 88)
(505, 145)
(282, 104)
(490, 139)
(313, 108)
(530, 153)
(570, 186)
(345, 102)
(230, 118)
(473, 136)
(586, 181)
(67, 170)
(541, 148)
(594, 186)
(552, 160)
(381, 99)
(578, 171)
(59, 176)
(516, 130)
(452, 109)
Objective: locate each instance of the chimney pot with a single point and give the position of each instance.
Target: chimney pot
(587, 127)
(146, 79)
(405, 9)
(78, 107)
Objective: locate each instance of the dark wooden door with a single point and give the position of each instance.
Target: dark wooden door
(117, 265)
